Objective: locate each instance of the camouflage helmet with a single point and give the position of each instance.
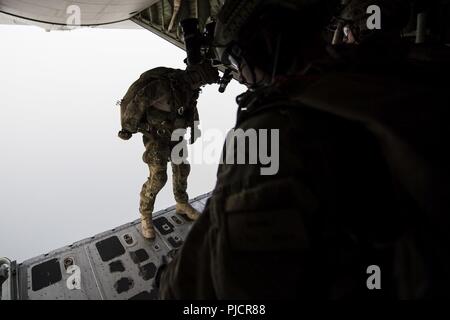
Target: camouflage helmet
(236, 15)
(394, 15)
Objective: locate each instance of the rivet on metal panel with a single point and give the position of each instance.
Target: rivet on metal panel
(68, 262)
(128, 239)
(176, 220)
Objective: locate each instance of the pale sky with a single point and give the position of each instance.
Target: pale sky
(64, 174)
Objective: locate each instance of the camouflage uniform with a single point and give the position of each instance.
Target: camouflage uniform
(156, 155)
(160, 102)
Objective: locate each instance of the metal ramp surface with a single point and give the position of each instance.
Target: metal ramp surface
(118, 264)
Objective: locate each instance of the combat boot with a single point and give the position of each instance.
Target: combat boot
(188, 210)
(147, 228)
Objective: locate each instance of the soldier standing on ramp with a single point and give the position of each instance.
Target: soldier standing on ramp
(159, 102)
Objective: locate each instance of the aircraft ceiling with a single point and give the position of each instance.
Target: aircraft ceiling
(93, 12)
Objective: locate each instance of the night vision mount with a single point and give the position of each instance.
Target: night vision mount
(199, 47)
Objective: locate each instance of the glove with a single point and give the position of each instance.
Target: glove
(211, 75)
(125, 135)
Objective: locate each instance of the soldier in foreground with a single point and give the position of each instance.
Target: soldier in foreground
(363, 181)
(159, 102)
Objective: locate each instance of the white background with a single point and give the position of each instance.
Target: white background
(64, 174)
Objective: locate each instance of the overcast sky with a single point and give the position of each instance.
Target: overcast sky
(64, 174)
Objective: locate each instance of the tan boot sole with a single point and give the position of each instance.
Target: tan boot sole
(190, 216)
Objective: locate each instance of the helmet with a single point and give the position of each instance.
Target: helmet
(242, 24)
(394, 16)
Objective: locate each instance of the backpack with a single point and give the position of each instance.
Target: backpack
(147, 77)
(144, 80)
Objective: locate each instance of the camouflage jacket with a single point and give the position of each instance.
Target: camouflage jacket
(363, 179)
(159, 99)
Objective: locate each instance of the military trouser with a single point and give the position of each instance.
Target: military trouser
(157, 153)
